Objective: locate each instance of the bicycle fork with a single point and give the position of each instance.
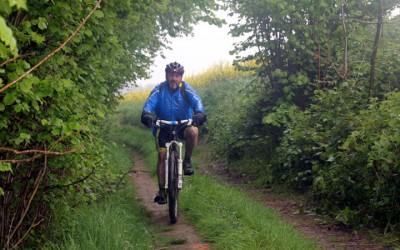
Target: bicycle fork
(180, 162)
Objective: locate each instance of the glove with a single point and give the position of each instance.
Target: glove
(198, 119)
(147, 119)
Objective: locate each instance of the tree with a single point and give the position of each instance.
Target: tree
(298, 42)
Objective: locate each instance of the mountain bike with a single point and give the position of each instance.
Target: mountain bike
(173, 165)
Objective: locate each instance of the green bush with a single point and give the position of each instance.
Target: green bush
(312, 137)
(346, 147)
(369, 161)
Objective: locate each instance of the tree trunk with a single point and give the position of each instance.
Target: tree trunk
(378, 35)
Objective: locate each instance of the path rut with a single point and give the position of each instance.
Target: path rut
(146, 189)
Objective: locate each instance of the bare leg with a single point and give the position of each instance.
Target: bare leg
(162, 155)
(192, 137)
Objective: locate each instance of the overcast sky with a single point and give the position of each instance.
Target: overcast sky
(208, 46)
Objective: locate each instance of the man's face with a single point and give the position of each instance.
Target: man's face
(173, 80)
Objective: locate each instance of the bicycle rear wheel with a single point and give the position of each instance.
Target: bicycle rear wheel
(173, 191)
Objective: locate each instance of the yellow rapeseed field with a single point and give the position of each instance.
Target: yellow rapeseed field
(222, 70)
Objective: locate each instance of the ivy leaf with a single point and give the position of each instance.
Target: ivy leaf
(271, 119)
(5, 166)
(74, 125)
(35, 105)
(9, 98)
(21, 4)
(3, 50)
(36, 37)
(7, 37)
(66, 130)
(24, 136)
(42, 23)
(67, 83)
(99, 14)
(26, 85)
(5, 8)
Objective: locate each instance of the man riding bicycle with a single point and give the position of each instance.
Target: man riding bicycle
(173, 100)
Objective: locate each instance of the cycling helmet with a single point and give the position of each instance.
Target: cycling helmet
(174, 67)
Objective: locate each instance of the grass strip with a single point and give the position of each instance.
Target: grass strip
(117, 222)
(229, 219)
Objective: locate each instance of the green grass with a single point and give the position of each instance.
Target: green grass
(229, 219)
(114, 223)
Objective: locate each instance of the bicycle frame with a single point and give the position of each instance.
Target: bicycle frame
(173, 167)
(174, 143)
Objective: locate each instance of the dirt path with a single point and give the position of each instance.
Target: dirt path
(184, 234)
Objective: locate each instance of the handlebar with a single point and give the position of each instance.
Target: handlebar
(187, 122)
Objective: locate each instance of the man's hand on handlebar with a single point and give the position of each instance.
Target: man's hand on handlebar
(198, 119)
(147, 119)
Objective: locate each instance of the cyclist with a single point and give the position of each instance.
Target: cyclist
(173, 100)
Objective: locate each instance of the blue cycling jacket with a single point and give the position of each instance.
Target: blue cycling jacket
(173, 106)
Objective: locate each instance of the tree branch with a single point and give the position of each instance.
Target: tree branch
(37, 183)
(378, 35)
(41, 152)
(26, 233)
(70, 184)
(15, 58)
(54, 51)
(345, 63)
(123, 176)
(45, 152)
(374, 23)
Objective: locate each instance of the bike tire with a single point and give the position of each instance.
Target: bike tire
(173, 191)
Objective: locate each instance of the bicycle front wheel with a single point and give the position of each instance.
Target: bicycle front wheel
(173, 191)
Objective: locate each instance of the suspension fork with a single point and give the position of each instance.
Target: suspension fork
(180, 167)
(168, 145)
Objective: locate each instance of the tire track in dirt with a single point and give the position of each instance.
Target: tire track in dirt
(146, 189)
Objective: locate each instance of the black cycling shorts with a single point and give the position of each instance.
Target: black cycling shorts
(163, 135)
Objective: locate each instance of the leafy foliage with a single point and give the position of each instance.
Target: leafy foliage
(59, 108)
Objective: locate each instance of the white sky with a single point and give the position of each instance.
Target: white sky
(208, 46)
